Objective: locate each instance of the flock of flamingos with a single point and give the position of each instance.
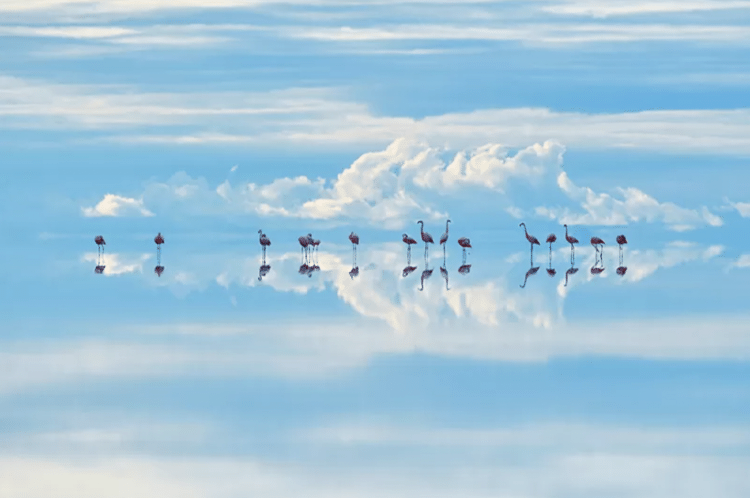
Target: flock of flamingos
(309, 247)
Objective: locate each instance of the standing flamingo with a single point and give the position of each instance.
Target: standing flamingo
(355, 242)
(314, 243)
(550, 239)
(596, 242)
(159, 241)
(408, 241)
(620, 241)
(532, 240)
(304, 243)
(426, 237)
(571, 240)
(465, 243)
(100, 247)
(264, 242)
(444, 238)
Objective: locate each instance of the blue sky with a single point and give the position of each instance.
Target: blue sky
(207, 123)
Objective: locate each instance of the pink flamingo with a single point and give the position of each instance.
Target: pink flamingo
(159, 241)
(100, 247)
(304, 243)
(571, 240)
(532, 240)
(444, 238)
(465, 243)
(355, 242)
(550, 239)
(620, 241)
(408, 241)
(264, 242)
(596, 242)
(426, 237)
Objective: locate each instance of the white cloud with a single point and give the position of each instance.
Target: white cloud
(319, 116)
(743, 261)
(390, 188)
(624, 8)
(635, 205)
(116, 205)
(532, 34)
(742, 207)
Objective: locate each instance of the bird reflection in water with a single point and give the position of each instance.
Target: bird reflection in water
(532, 271)
(99, 269)
(159, 270)
(303, 269)
(407, 271)
(263, 271)
(425, 275)
(464, 269)
(570, 271)
(312, 269)
(621, 270)
(354, 272)
(444, 273)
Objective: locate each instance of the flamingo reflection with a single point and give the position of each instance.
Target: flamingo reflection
(407, 271)
(570, 271)
(263, 271)
(425, 275)
(532, 271)
(464, 269)
(444, 273)
(354, 272)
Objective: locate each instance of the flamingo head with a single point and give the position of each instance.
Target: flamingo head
(420, 221)
(448, 221)
(522, 224)
(260, 231)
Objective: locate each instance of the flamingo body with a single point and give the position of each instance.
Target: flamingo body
(354, 238)
(464, 242)
(408, 240)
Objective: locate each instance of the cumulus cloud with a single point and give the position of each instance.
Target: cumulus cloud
(116, 205)
(390, 188)
(742, 207)
(632, 206)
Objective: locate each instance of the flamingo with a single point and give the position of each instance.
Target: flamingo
(571, 240)
(620, 241)
(425, 275)
(464, 242)
(444, 273)
(532, 240)
(551, 272)
(621, 270)
(596, 242)
(532, 271)
(408, 241)
(355, 242)
(304, 243)
(550, 239)
(264, 242)
(100, 247)
(408, 270)
(303, 269)
(426, 237)
(159, 239)
(464, 269)
(444, 238)
(315, 243)
(354, 272)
